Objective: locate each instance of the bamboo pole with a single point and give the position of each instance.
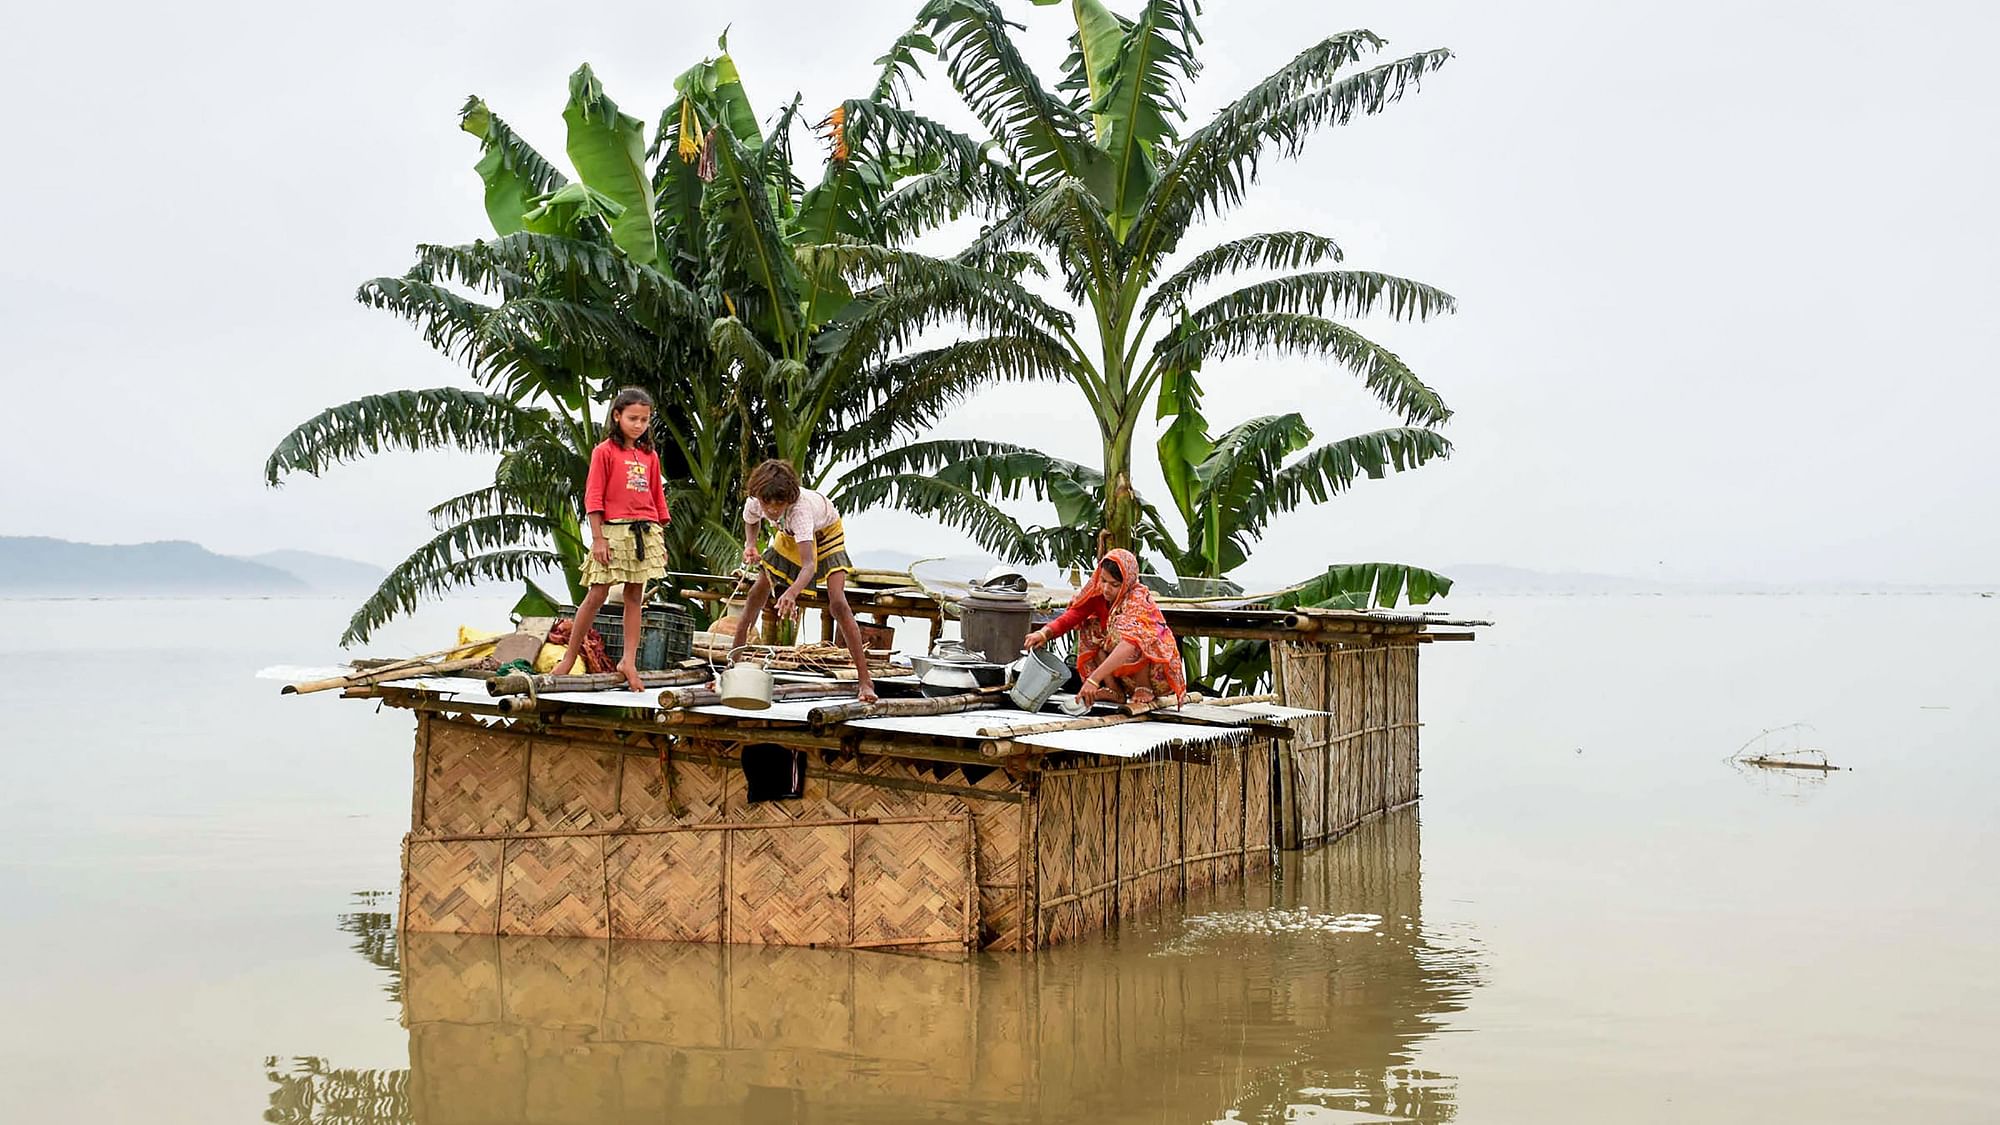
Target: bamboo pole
(385, 675)
(598, 681)
(681, 698)
(902, 708)
(1081, 722)
(1127, 713)
(1791, 764)
(376, 665)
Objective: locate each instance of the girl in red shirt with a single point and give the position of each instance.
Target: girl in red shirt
(1124, 650)
(626, 502)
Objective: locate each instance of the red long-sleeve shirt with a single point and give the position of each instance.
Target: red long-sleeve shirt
(1075, 615)
(625, 484)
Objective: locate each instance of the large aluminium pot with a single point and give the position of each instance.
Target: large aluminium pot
(995, 622)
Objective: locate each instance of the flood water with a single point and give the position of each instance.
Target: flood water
(1591, 916)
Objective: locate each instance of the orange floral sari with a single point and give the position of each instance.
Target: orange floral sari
(1134, 617)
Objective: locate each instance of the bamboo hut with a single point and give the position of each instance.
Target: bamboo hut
(924, 832)
(620, 814)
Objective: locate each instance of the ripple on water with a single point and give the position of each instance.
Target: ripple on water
(1204, 930)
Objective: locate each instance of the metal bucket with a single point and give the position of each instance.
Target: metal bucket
(1037, 676)
(745, 686)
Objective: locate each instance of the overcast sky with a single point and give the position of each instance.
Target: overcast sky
(1726, 270)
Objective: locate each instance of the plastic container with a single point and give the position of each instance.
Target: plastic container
(666, 633)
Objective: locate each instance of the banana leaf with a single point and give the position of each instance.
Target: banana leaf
(1140, 106)
(1184, 445)
(513, 173)
(1099, 33)
(717, 90)
(569, 209)
(536, 602)
(1367, 586)
(608, 149)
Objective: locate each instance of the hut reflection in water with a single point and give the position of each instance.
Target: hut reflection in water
(1262, 998)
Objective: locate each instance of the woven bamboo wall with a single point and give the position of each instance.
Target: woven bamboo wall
(1361, 758)
(555, 1031)
(529, 833)
(522, 832)
(1121, 839)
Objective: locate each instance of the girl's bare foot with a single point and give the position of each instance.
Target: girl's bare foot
(1141, 696)
(631, 674)
(866, 694)
(563, 666)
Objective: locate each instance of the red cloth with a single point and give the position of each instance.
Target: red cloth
(593, 656)
(625, 484)
(1134, 617)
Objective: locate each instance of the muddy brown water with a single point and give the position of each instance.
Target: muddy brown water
(1592, 915)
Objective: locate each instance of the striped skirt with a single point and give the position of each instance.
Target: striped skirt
(783, 559)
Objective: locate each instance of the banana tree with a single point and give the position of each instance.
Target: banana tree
(823, 300)
(755, 310)
(1113, 188)
(1226, 491)
(559, 308)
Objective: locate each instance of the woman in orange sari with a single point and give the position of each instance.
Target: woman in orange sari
(1125, 652)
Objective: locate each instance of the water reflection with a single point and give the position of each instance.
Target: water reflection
(1305, 998)
(309, 1090)
(374, 933)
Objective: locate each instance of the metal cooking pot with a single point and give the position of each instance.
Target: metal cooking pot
(982, 673)
(746, 686)
(941, 679)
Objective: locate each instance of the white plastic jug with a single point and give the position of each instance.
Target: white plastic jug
(1036, 677)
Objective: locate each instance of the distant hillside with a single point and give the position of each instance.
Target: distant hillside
(326, 574)
(39, 566)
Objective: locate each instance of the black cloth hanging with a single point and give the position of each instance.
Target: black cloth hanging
(773, 773)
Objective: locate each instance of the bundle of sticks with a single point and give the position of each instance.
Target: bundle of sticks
(827, 659)
(368, 673)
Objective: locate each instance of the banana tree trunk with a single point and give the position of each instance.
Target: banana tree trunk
(1121, 503)
(570, 547)
(1121, 515)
